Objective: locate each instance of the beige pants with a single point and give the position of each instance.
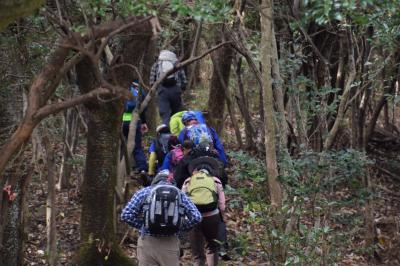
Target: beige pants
(158, 251)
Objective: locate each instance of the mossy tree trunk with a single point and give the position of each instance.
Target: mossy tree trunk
(148, 60)
(16, 175)
(12, 216)
(98, 241)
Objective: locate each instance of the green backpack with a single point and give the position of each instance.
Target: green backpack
(202, 190)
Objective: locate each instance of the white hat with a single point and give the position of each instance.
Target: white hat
(161, 127)
(204, 171)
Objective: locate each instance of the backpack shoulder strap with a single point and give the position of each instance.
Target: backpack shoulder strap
(187, 181)
(147, 199)
(217, 181)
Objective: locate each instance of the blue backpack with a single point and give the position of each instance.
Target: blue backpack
(199, 133)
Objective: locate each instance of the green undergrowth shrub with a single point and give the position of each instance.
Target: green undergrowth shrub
(322, 210)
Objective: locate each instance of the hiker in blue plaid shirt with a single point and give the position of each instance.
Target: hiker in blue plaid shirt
(158, 249)
(169, 92)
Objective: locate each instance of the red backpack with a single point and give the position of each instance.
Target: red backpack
(177, 155)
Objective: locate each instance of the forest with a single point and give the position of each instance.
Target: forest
(303, 94)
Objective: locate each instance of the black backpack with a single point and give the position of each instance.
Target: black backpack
(163, 210)
(161, 147)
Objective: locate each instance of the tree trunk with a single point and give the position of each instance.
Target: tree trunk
(269, 122)
(235, 123)
(16, 176)
(346, 92)
(131, 50)
(229, 104)
(278, 96)
(51, 210)
(222, 60)
(244, 106)
(193, 69)
(71, 128)
(148, 60)
(98, 241)
(390, 88)
(12, 216)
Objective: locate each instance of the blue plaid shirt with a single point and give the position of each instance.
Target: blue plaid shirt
(133, 212)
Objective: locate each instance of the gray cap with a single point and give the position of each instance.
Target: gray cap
(161, 176)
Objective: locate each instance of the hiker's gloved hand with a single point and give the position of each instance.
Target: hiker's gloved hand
(144, 128)
(149, 179)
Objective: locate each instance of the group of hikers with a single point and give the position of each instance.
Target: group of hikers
(185, 178)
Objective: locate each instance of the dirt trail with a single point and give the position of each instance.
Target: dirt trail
(386, 215)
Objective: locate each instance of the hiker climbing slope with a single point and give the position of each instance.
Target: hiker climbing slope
(160, 212)
(207, 194)
(170, 90)
(176, 125)
(201, 133)
(159, 148)
(175, 155)
(130, 105)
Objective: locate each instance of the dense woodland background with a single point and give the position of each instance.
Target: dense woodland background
(303, 92)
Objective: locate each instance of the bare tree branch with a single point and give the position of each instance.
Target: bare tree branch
(59, 106)
(49, 78)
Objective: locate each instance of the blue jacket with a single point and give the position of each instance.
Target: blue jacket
(167, 162)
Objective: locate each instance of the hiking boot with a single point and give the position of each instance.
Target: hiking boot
(223, 254)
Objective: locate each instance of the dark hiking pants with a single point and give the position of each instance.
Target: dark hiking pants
(222, 236)
(207, 230)
(169, 102)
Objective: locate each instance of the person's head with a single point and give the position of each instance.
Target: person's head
(164, 176)
(172, 142)
(189, 118)
(161, 129)
(187, 146)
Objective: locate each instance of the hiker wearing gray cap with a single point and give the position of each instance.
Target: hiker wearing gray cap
(170, 90)
(160, 211)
